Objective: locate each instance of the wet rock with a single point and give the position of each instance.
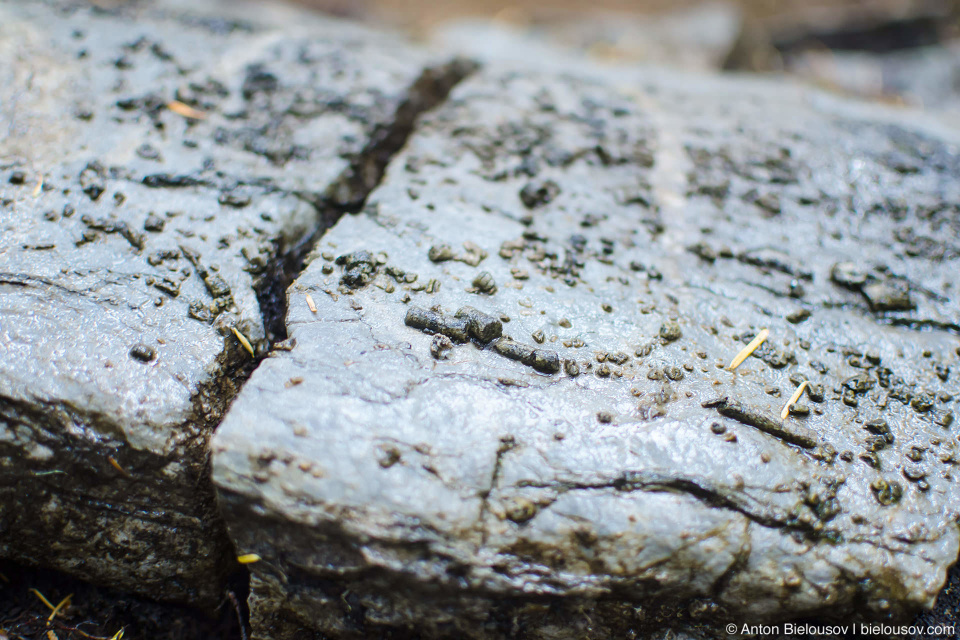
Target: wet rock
(93, 180)
(484, 283)
(440, 252)
(154, 223)
(482, 326)
(439, 346)
(117, 343)
(738, 411)
(472, 254)
(542, 360)
(538, 193)
(848, 274)
(887, 492)
(884, 296)
(143, 353)
(359, 268)
(880, 427)
(704, 251)
(435, 322)
(771, 259)
(670, 331)
(769, 202)
(569, 521)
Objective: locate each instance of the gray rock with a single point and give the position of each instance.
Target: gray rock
(142, 244)
(481, 496)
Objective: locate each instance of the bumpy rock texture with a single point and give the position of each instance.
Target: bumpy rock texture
(160, 164)
(593, 469)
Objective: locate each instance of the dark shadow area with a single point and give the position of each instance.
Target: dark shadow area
(99, 613)
(282, 271)
(882, 37)
(947, 611)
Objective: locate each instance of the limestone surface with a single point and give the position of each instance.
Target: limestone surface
(162, 163)
(506, 408)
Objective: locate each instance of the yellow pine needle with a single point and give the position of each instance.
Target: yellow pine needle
(311, 304)
(116, 465)
(243, 340)
(45, 601)
(747, 350)
(185, 110)
(793, 400)
(118, 635)
(248, 558)
(56, 609)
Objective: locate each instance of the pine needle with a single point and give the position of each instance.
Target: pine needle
(243, 340)
(793, 400)
(185, 110)
(45, 601)
(56, 609)
(747, 350)
(116, 465)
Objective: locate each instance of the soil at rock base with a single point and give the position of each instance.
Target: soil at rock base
(96, 613)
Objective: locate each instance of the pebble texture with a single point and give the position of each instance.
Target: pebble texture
(594, 469)
(161, 163)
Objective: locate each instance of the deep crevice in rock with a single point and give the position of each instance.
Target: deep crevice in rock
(272, 290)
(349, 193)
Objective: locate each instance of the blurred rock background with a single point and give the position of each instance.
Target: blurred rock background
(900, 51)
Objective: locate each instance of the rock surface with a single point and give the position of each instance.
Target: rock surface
(161, 162)
(598, 469)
